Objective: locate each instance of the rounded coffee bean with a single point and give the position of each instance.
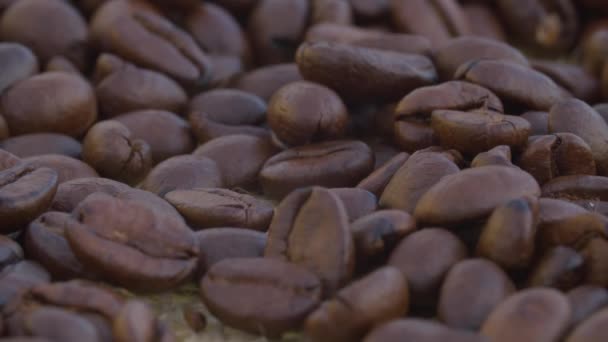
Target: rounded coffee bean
(304, 112)
(586, 300)
(499, 155)
(357, 202)
(560, 267)
(67, 168)
(571, 77)
(574, 231)
(415, 329)
(238, 292)
(484, 21)
(539, 121)
(331, 164)
(577, 187)
(195, 318)
(591, 330)
(412, 135)
(472, 194)
(136, 322)
(61, 64)
(10, 252)
(110, 148)
(332, 11)
(518, 317)
(372, 300)
(58, 324)
(36, 144)
(377, 181)
(596, 261)
(16, 279)
(471, 290)
(212, 207)
(17, 63)
(65, 104)
(265, 81)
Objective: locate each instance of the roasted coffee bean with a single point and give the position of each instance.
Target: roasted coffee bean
(123, 87)
(8, 160)
(370, 9)
(437, 20)
(183, 172)
(136, 322)
(226, 69)
(449, 56)
(357, 202)
(560, 267)
(539, 121)
(591, 330)
(25, 193)
(217, 244)
(413, 180)
(111, 149)
(264, 81)
(577, 187)
(377, 181)
(499, 155)
(10, 252)
(471, 290)
(515, 84)
(226, 111)
(594, 206)
(332, 11)
(331, 164)
(67, 168)
(412, 135)
(574, 78)
(65, 104)
(49, 28)
(519, 316)
(472, 194)
(596, 261)
(153, 253)
(509, 236)
(560, 154)
(414, 329)
(238, 157)
(360, 74)
(310, 228)
(61, 64)
(425, 257)
(58, 325)
(167, 134)
(36, 144)
(595, 47)
(213, 207)
(377, 298)
(238, 292)
(18, 63)
(195, 318)
(575, 116)
(304, 112)
(17, 278)
(586, 300)
(484, 21)
(573, 231)
(474, 132)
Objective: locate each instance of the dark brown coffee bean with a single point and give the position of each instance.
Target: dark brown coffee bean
(18, 63)
(414, 329)
(596, 261)
(357, 202)
(575, 116)
(560, 154)
(155, 252)
(183, 172)
(474, 132)
(377, 181)
(377, 298)
(413, 180)
(449, 56)
(577, 187)
(135, 322)
(310, 228)
(484, 21)
(265, 81)
(10, 252)
(36, 144)
(586, 300)
(217, 244)
(425, 257)
(560, 267)
(455, 95)
(519, 316)
(17, 278)
(212, 207)
(574, 78)
(25, 193)
(66, 104)
(595, 47)
(591, 330)
(276, 27)
(539, 122)
(138, 33)
(195, 318)
(331, 164)
(123, 87)
(573, 231)
(46, 243)
(499, 155)
(58, 325)
(471, 290)
(508, 237)
(67, 168)
(370, 9)
(226, 69)
(8, 160)
(304, 112)
(49, 28)
(238, 292)
(361, 74)
(412, 135)
(437, 20)
(167, 134)
(514, 83)
(61, 64)
(332, 11)
(110, 148)
(472, 194)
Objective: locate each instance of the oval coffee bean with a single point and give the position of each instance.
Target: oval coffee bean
(499, 155)
(10, 252)
(377, 181)
(265, 81)
(36, 144)
(573, 78)
(484, 22)
(18, 278)
(415, 329)
(591, 330)
(17, 63)
(586, 300)
(238, 292)
(596, 261)
(472, 194)
(577, 187)
(573, 231)
(135, 322)
(357, 202)
(67, 168)
(539, 122)
(59, 325)
(560, 267)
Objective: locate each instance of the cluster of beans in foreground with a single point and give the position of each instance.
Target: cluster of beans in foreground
(345, 170)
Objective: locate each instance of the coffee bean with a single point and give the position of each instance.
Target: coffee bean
(596, 261)
(519, 316)
(377, 181)
(310, 228)
(10, 252)
(67, 168)
(17, 278)
(573, 231)
(560, 267)
(58, 325)
(135, 322)
(332, 11)
(591, 330)
(571, 77)
(196, 319)
(594, 46)
(415, 329)
(214, 207)
(265, 81)
(36, 144)
(499, 155)
(577, 187)
(18, 63)
(374, 299)
(467, 306)
(412, 135)
(586, 300)
(484, 21)
(8, 160)
(357, 202)
(539, 121)
(61, 64)
(331, 164)
(238, 292)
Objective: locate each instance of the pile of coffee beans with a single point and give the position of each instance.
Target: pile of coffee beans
(317, 170)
